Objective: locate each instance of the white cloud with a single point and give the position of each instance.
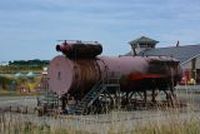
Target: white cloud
(112, 22)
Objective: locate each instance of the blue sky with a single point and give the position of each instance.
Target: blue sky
(29, 28)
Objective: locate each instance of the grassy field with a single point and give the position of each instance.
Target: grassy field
(172, 127)
(19, 124)
(155, 121)
(12, 86)
(12, 69)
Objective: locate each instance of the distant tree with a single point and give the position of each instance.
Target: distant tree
(34, 62)
(5, 82)
(10, 62)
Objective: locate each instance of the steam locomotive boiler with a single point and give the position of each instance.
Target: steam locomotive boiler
(96, 83)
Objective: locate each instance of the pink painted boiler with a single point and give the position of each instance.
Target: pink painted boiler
(136, 73)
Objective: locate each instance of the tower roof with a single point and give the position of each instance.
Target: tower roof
(143, 40)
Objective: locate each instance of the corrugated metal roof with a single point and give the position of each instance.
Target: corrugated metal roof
(182, 53)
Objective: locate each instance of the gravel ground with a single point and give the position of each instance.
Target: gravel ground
(18, 100)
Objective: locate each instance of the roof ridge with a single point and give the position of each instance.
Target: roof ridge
(178, 46)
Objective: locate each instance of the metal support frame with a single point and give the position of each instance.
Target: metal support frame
(106, 95)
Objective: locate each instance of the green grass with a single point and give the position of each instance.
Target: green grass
(15, 93)
(10, 86)
(12, 69)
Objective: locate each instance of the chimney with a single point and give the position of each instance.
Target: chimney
(177, 43)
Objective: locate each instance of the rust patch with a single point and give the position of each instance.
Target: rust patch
(141, 76)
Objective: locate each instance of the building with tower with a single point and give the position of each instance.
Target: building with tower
(188, 55)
